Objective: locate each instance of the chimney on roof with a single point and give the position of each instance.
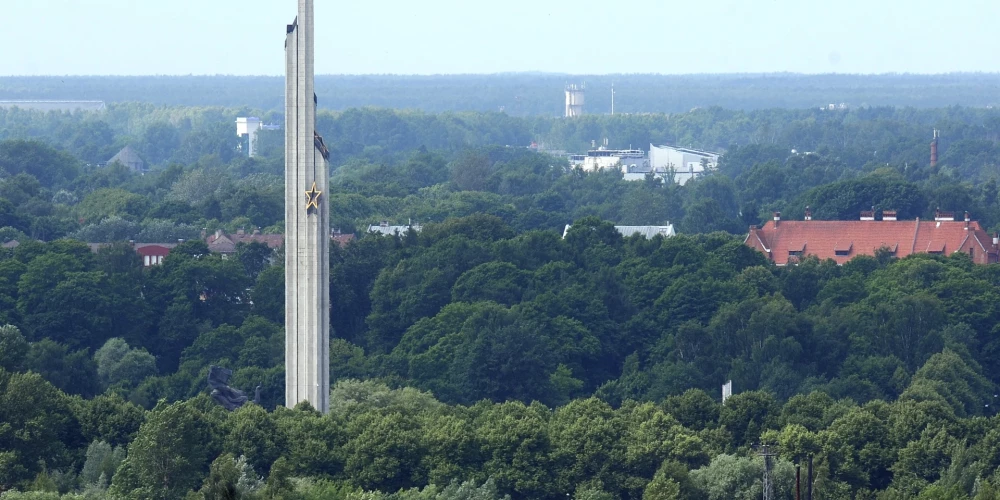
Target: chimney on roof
(809, 214)
(256, 231)
(868, 214)
(218, 233)
(240, 232)
(204, 232)
(180, 240)
(934, 149)
(777, 218)
(967, 219)
(996, 239)
(384, 223)
(889, 215)
(944, 216)
(131, 243)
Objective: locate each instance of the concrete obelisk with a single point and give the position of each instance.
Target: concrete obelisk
(307, 226)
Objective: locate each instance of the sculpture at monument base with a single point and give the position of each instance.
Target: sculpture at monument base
(229, 398)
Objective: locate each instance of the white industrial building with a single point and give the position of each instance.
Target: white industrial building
(625, 159)
(686, 163)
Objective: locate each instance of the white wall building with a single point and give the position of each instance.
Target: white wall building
(686, 163)
(385, 229)
(601, 158)
(248, 126)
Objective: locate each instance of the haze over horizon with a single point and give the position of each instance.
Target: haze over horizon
(188, 37)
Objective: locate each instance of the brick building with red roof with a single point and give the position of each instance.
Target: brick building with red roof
(785, 242)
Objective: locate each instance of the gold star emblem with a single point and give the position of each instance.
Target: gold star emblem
(312, 197)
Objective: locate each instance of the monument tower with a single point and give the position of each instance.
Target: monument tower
(307, 226)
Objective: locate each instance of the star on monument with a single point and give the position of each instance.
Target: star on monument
(312, 197)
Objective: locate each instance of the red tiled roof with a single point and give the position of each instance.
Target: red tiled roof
(935, 246)
(342, 239)
(843, 240)
(161, 249)
(226, 243)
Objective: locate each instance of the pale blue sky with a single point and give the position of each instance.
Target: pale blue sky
(144, 37)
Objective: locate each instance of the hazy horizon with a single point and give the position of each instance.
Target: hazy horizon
(451, 37)
(512, 73)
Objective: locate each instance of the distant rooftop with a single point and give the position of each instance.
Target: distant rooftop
(40, 105)
(692, 151)
(384, 228)
(648, 232)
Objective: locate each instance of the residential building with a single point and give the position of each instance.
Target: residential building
(787, 241)
(341, 239)
(152, 254)
(223, 243)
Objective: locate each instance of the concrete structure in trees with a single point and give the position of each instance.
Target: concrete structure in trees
(574, 101)
(307, 226)
(248, 126)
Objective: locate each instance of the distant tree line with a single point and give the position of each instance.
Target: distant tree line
(527, 94)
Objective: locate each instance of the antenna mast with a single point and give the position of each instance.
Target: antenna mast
(612, 98)
(768, 452)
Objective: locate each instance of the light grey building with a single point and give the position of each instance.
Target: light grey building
(648, 232)
(129, 158)
(686, 163)
(384, 228)
(307, 226)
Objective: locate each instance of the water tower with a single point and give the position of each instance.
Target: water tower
(574, 100)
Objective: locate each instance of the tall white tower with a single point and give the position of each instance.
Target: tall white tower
(574, 100)
(248, 126)
(307, 226)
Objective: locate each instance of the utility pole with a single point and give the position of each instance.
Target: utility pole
(768, 452)
(798, 481)
(809, 485)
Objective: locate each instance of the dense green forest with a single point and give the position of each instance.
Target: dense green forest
(527, 93)
(487, 355)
